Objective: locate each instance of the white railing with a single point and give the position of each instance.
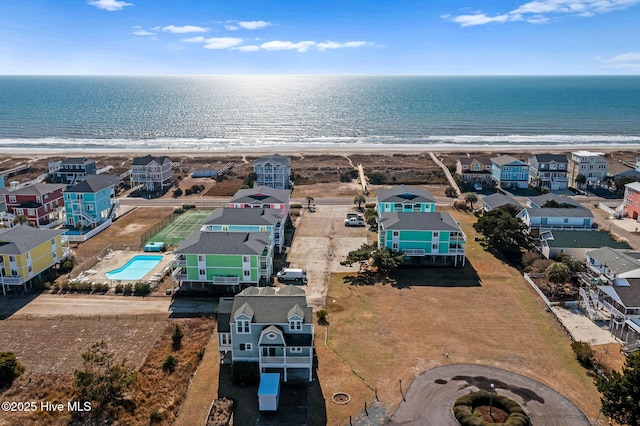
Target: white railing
(591, 311)
(86, 235)
(225, 280)
(414, 252)
(12, 280)
(288, 360)
(609, 307)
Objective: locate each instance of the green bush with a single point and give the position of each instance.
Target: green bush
(295, 206)
(142, 288)
(370, 206)
(128, 289)
(176, 338)
(177, 193)
(377, 178)
(156, 417)
(463, 409)
(100, 288)
(584, 354)
(169, 364)
(10, 369)
(66, 266)
(119, 288)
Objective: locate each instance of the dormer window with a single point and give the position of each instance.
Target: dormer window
(295, 324)
(242, 326)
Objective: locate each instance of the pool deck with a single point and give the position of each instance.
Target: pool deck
(119, 258)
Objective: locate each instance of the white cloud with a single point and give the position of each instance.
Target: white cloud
(232, 27)
(184, 29)
(142, 32)
(196, 39)
(335, 45)
(248, 48)
(626, 61)
(109, 5)
(222, 42)
(301, 46)
(253, 25)
(534, 12)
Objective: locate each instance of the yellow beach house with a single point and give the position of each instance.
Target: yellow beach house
(26, 253)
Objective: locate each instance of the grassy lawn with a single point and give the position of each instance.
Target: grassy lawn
(484, 313)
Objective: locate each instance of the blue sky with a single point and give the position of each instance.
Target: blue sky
(384, 37)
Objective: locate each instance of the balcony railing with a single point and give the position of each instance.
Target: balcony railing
(288, 360)
(12, 280)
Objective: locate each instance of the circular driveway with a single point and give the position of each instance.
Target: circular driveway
(431, 395)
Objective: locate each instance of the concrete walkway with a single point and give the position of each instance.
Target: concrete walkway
(431, 395)
(203, 389)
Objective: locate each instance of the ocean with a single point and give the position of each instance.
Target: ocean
(219, 113)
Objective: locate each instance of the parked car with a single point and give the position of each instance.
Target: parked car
(350, 215)
(354, 221)
(292, 274)
(477, 186)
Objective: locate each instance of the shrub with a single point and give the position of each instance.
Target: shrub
(10, 369)
(188, 206)
(66, 266)
(322, 317)
(100, 288)
(176, 338)
(188, 191)
(463, 409)
(584, 354)
(156, 416)
(370, 206)
(178, 192)
(376, 178)
(450, 192)
(128, 289)
(295, 206)
(460, 205)
(169, 364)
(119, 288)
(141, 288)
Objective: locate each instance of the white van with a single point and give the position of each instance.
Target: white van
(291, 274)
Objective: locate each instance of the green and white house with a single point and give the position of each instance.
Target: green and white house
(233, 259)
(408, 222)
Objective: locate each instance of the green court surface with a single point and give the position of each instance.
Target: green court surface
(182, 227)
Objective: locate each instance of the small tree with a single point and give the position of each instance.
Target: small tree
(504, 234)
(584, 353)
(322, 317)
(102, 381)
(309, 201)
(471, 198)
(621, 393)
(169, 364)
(359, 199)
(371, 217)
(581, 180)
(450, 192)
(10, 369)
(361, 254)
(558, 273)
(386, 260)
(176, 338)
(20, 220)
(177, 193)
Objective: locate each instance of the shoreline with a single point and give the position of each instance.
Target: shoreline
(390, 149)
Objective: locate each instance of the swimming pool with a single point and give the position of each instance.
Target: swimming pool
(134, 269)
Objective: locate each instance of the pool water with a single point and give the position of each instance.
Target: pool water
(134, 269)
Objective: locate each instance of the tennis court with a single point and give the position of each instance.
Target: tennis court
(184, 225)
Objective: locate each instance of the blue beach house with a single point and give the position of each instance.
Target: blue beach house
(509, 172)
(91, 202)
(405, 198)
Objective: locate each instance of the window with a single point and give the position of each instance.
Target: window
(245, 259)
(202, 271)
(225, 228)
(295, 325)
(246, 273)
(12, 198)
(566, 220)
(396, 233)
(435, 234)
(225, 339)
(90, 207)
(394, 246)
(31, 212)
(296, 350)
(505, 176)
(242, 327)
(434, 246)
(245, 346)
(38, 199)
(12, 258)
(200, 258)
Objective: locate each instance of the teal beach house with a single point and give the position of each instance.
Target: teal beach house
(91, 202)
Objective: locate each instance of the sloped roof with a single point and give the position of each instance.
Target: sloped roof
(244, 309)
(404, 194)
(499, 199)
(558, 212)
(273, 308)
(629, 295)
(77, 160)
(540, 200)
(275, 158)
(616, 260)
(503, 160)
(229, 216)
(37, 189)
(143, 161)
(634, 185)
(23, 238)
(239, 243)
(418, 221)
(94, 183)
(468, 160)
(261, 194)
(548, 158)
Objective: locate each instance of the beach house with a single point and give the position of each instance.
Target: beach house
(549, 171)
(227, 219)
(591, 165)
(26, 253)
(92, 202)
(268, 327)
(474, 169)
(151, 173)
(422, 236)
(509, 172)
(273, 171)
(575, 244)
(538, 219)
(631, 201)
(42, 204)
(72, 170)
(497, 200)
(404, 198)
(262, 197)
(231, 259)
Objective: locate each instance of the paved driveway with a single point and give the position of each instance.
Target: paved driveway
(431, 395)
(321, 241)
